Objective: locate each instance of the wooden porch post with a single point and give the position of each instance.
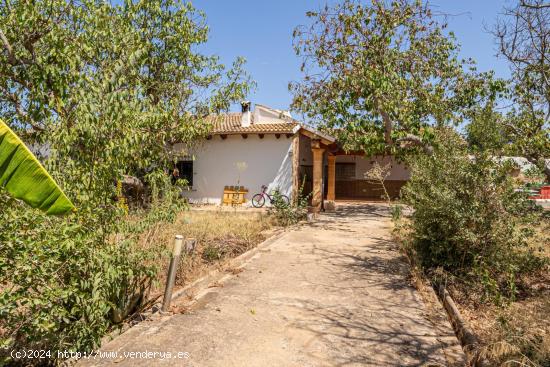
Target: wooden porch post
(331, 173)
(317, 197)
(295, 168)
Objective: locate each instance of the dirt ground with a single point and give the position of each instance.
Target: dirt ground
(334, 292)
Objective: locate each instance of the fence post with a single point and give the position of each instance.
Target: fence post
(172, 270)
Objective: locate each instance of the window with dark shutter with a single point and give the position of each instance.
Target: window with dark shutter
(185, 169)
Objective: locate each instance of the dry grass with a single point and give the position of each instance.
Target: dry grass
(518, 334)
(219, 235)
(514, 334)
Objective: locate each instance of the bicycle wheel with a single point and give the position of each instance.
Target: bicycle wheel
(258, 201)
(285, 199)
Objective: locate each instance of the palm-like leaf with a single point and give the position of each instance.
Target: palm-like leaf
(22, 175)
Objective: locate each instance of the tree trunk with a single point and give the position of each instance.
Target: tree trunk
(388, 125)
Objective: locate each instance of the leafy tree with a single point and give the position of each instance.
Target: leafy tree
(528, 136)
(514, 133)
(523, 37)
(485, 131)
(104, 90)
(109, 88)
(382, 74)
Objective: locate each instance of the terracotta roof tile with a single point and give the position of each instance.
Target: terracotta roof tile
(230, 123)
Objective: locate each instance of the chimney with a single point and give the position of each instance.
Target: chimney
(246, 119)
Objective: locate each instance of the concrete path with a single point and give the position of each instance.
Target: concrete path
(331, 293)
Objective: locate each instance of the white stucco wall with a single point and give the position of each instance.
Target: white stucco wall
(268, 161)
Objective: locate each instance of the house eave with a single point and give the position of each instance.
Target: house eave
(252, 132)
(316, 134)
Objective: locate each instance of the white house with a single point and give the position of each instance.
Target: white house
(267, 146)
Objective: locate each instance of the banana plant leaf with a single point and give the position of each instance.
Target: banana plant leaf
(22, 175)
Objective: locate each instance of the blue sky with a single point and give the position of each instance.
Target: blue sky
(261, 31)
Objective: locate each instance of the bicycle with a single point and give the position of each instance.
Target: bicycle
(258, 200)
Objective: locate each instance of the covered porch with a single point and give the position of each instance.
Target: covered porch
(329, 174)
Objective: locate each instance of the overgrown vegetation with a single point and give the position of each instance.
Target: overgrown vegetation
(220, 235)
(100, 91)
(104, 90)
(65, 281)
(518, 334)
(469, 220)
(289, 213)
(473, 230)
(513, 332)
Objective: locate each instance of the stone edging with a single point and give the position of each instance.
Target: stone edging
(216, 274)
(463, 331)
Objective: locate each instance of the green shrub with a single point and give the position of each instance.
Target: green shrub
(287, 214)
(65, 281)
(396, 212)
(211, 253)
(468, 218)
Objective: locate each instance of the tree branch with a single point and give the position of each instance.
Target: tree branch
(20, 112)
(533, 6)
(11, 56)
(416, 141)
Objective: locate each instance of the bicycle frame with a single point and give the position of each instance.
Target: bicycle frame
(260, 198)
(264, 193)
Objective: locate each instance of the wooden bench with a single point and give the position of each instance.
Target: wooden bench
(234, 195)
